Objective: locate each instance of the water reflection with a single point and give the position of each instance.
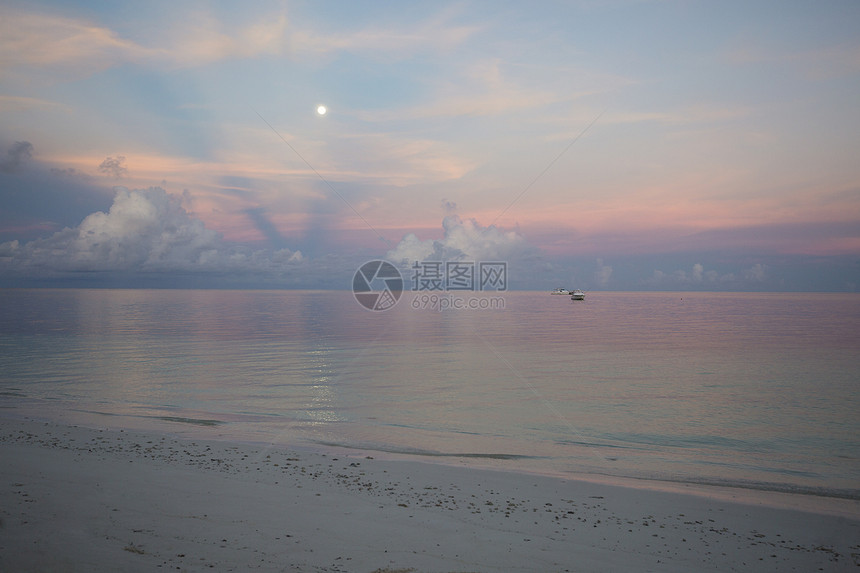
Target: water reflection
(632, 383)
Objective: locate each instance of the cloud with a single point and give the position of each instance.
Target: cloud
(484, 88)
(18, 153)
(757, 273)
(9, 103)
(602, 274)
(77, 46)
(113, 166)
(37, 197)
(144, 231)
(698, 277)
(814, 63)
(463, 241)
(389, 42)
(698, 270)
(42, 40)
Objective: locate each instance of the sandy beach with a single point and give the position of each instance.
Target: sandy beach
(90, 499)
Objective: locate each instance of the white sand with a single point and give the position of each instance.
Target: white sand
(81, 499)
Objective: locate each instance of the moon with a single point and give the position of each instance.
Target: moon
(321, 110)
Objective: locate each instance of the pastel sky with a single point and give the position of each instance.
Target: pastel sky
(601, 144)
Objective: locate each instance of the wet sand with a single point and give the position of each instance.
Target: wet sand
(88, 499)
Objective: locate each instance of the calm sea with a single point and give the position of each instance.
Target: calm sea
(752, 390)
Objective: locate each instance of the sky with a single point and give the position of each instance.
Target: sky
(598, 144)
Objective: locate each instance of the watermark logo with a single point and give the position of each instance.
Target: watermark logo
(377, 285)
(460, 276)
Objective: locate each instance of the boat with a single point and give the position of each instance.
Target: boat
(560, 290)
(577, 294)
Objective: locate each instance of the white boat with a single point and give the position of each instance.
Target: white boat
(560, 290)
(577, 294)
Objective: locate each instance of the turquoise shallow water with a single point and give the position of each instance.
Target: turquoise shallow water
(754, 390)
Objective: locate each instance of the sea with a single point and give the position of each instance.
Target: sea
(747, 390)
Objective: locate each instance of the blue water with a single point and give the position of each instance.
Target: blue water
(752, 390)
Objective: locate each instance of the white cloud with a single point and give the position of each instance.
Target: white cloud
(696, 276)
(756, 273)
(464, 241)
(44, 40)
(479, 89)
(389, 42)
(602, 274)
(9, 103)
(146, 231)
(75, 45)
(71, 45)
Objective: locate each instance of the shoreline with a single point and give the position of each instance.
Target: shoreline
(775, 495)
(89, 499)
(778, 496)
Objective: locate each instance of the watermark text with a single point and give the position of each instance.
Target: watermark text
(442, 302)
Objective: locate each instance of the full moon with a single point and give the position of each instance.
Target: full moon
(321, 110)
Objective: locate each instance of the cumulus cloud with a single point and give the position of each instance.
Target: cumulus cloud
(18, 153)
(145, 231)
(756, 273)
(602, 274)
(699, 276)
(698, 272)
(464, 240)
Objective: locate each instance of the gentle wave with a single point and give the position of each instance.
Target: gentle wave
(194, 421)
(426, 453)
(177, 419)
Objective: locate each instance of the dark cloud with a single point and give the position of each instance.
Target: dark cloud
(261, 221)
(113, 166)
(69, 172)
(36, 198)
(16, 156)
(802, 237)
